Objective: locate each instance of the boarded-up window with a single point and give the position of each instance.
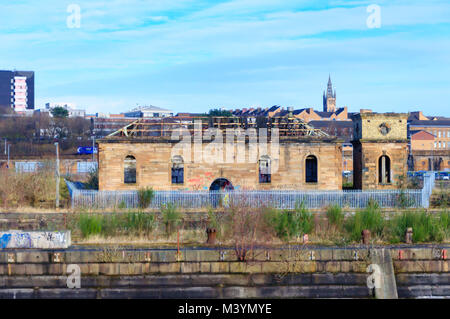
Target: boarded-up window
(311, 169)
(130, 170)
(384, 170)
(177, 170)
(264, 169)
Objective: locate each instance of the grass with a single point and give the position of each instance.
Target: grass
(335, 216)
(110, 225)
(426, 227)
(170, 217)
(370, 218)
(441, 195)
(140, 223)
(90, 224)
(289, 224)
(276, 226)
(27, 189)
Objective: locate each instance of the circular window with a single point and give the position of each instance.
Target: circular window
(384, 129)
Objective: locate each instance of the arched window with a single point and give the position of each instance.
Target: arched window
(384, 170)
(177, 170)
(311, 169)
(129, 170)
(264, 169)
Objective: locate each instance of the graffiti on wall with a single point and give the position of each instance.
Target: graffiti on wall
(34, 239)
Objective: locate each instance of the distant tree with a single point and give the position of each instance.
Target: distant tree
(59, 112)
(218, 112)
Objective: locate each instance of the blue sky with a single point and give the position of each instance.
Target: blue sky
(191, 56)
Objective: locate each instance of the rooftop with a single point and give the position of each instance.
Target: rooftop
(163, 128)
(150, 108)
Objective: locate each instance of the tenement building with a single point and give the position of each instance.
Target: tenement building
(430, 143)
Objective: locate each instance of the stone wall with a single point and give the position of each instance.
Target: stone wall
(367, 126)
(35, 239)
(297, 272)
(154, 167)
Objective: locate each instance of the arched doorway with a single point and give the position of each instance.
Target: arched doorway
(222, 184)
(384, 170)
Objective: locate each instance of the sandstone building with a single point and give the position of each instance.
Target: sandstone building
(146, 154)
(380, 150)
(309, 160)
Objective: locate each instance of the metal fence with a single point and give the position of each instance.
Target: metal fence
(428, 185)
(282, 199)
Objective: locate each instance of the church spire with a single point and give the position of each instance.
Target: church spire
(330, 92)
(329, 99)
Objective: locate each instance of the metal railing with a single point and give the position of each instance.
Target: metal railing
(428, 185)
(283, 199)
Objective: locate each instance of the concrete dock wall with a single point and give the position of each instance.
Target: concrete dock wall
(305, 272)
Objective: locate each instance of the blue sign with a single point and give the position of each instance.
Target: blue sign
(86, 150)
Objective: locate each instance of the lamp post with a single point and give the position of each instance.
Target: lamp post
(9, 145)
(57, 175)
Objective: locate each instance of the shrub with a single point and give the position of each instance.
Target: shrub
(171, 217)
(107, 225)
(90, 224)
(64, 193)
(244, 225)
(426, 227)
(112, 225)
(287, 225)
(140, 222)
(444, 221)
(212, 218)
(92, 180)
(27, 189)
(122, 205)
(335, 215)
(370, 218)
(145, 196)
